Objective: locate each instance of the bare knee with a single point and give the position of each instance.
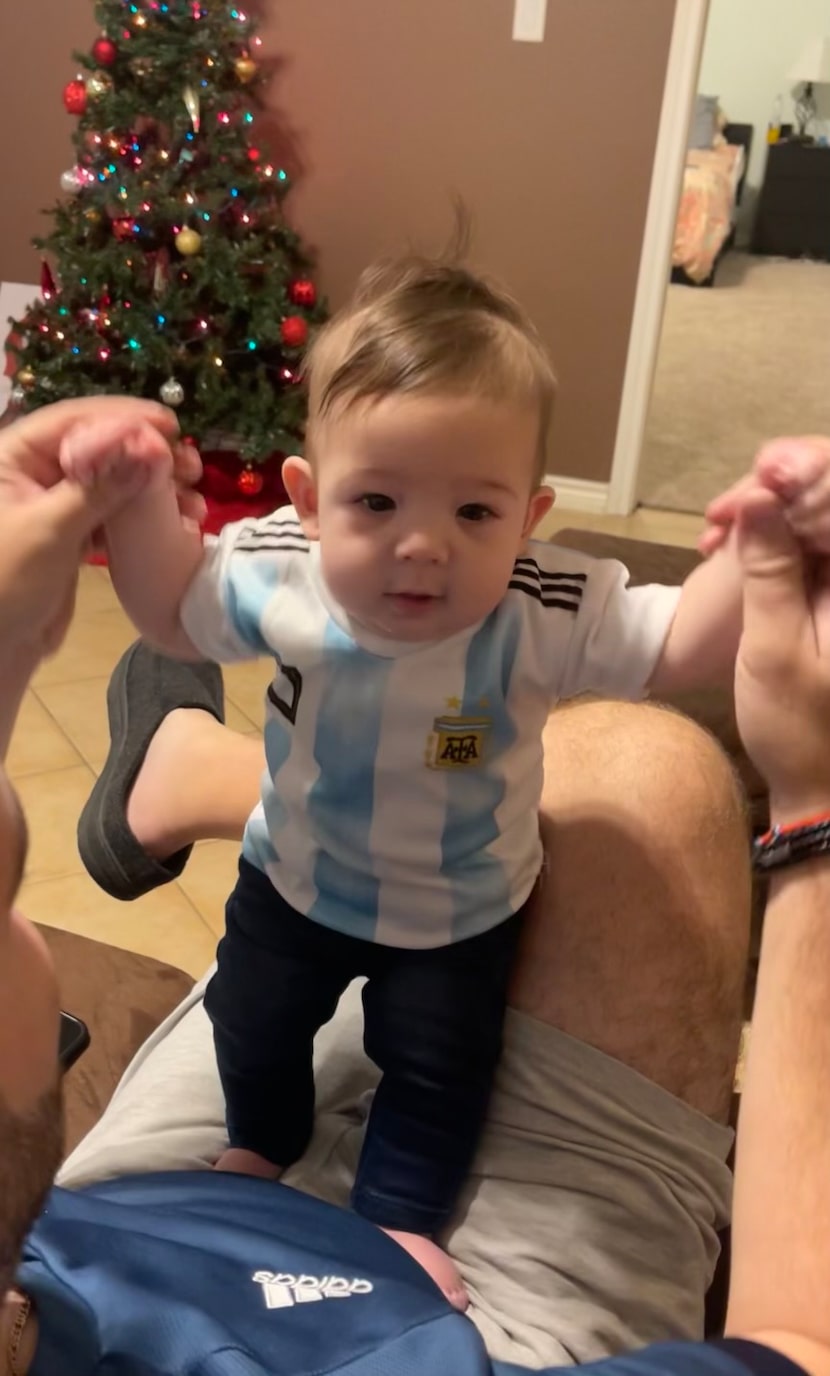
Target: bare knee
(637, 936)
(634, 759)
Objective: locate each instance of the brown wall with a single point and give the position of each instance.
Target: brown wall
(394, 107)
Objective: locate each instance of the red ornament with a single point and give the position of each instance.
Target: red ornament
(124, 228)
(302, 292)
(47, 281)
(294, 331)
(104, 51)
(74, 96)
(250, 482)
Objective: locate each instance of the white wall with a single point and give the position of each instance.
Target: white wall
(750, 45)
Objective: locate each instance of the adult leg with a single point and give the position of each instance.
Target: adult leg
(590, 1223)
(638, 937)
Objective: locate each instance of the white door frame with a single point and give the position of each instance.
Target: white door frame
(655, 260)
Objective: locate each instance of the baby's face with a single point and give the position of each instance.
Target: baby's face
(423, 505)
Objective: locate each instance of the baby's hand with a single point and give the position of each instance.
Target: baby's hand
(116, 460)
(798, 472)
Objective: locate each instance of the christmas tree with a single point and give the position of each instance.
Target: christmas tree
(171, 271)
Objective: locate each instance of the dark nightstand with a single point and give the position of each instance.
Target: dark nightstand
(793, 217)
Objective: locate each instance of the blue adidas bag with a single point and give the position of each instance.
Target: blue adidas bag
(200, 1274)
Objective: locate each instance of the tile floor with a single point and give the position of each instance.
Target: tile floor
(61, 741)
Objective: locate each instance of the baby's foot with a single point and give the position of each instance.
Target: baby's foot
(242, 1162)
(436, 1263)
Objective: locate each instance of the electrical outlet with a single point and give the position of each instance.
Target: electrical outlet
(529, 21)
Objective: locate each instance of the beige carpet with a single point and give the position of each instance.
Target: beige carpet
(739, 363)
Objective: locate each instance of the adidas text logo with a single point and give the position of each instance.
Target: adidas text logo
(281, 1290)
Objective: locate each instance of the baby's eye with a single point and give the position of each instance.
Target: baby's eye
(376, 501)
(475, 511)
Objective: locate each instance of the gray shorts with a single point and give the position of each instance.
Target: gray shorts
(588, 1225)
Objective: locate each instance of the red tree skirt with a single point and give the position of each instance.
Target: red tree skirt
(225, 503)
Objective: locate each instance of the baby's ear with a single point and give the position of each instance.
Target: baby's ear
(539, 505)
(298, 479)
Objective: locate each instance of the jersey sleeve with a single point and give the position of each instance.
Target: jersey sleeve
(224, 609)
(618, 632)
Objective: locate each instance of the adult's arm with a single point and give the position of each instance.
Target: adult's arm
(780, 1291)
(44, 527)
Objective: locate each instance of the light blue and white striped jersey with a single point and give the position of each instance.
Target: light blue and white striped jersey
(400, 798)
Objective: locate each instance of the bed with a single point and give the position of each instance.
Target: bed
(713, 182)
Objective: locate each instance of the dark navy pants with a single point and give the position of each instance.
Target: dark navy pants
(432, 1024)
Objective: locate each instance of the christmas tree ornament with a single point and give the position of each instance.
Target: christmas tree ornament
(124, 228)
(302, 292)
(72, 180)
(99, 85)
(294, 331)
(140, 20)
(142, 67)
(17, 396)
(47, 281)
(249, 482)
(104, 51)
(25, 378)
(192, 105)
(188, 242)
(92, 215)
(74, 96)
(245, 68)
(172, 392)
(161, 272)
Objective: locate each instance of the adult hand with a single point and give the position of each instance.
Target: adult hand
(782, 675)
(797, 470)
(45, 523)
(30, 446)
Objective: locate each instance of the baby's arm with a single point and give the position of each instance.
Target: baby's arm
(702, 642)
(153, 554)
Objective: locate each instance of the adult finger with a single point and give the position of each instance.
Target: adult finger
(776, 609)
(712, 538)
(187, 464)
(192, 506)
(72, 512)
(723, 510)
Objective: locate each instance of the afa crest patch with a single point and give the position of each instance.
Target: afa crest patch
(458, 742)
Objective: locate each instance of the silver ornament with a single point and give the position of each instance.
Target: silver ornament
(71, 179)
(17, 395)
(172, 392)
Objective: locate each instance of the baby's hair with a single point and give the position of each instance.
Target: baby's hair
(425, 325)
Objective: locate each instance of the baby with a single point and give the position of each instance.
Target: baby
(419, 639)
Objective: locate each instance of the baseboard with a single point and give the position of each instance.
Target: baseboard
(579, 494)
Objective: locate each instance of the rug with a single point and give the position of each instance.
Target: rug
(738, 364)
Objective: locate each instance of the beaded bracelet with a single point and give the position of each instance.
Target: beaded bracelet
(786, 845)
